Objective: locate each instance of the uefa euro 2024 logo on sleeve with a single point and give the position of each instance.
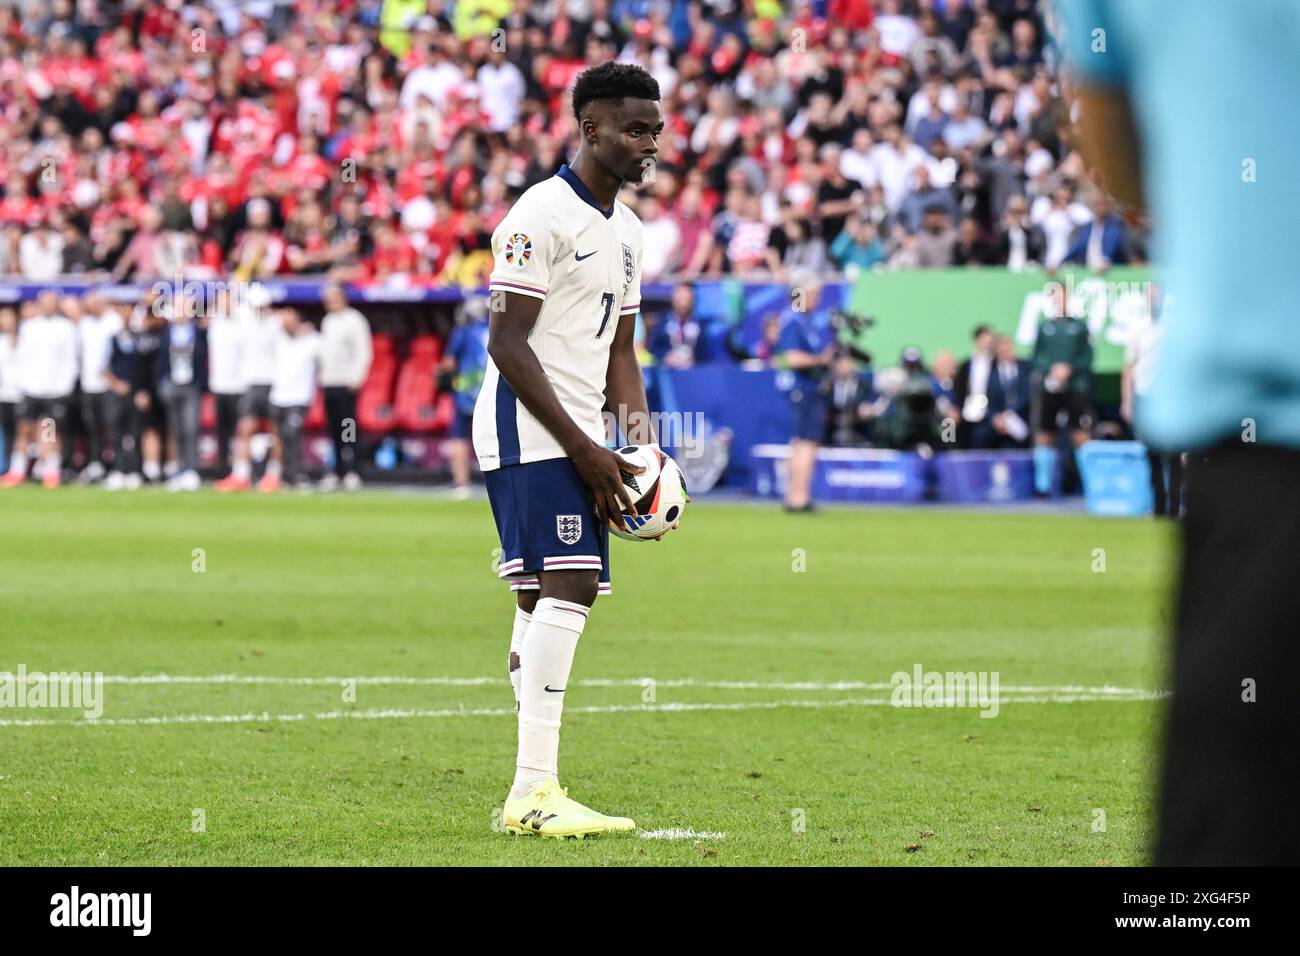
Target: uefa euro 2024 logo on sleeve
(568, 528)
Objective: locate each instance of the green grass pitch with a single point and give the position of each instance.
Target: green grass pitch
(771, 640)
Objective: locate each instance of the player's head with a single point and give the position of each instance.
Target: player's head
(617, 106)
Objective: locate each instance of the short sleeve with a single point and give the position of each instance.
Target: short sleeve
(1092, 42)
(523, 250)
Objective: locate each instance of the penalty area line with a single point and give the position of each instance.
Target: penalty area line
(266, 717)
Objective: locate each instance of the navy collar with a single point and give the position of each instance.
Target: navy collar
(579, 187)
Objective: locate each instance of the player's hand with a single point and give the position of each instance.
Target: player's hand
(600, 470)
(142, 401)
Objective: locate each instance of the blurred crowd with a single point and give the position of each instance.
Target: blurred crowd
(383, 140)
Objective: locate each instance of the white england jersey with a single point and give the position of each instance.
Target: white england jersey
(559, 245)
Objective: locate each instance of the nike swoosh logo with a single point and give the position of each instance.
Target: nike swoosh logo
(587, 256)
(551, 690)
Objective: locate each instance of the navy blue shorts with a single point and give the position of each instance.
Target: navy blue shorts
(810, 408)
(547, 521)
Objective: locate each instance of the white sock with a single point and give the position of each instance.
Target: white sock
(18, 463)
(545, 660)
(151, 470)
(241, 468)
(522, 619)
(273, 469)
(53, 463)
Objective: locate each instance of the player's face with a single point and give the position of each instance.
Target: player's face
(627, 137)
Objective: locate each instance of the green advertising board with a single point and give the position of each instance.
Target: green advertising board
(936, 309)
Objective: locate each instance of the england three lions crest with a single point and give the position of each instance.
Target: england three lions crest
(568, 528)
(629, 264)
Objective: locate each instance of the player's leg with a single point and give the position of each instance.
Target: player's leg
(527, 593)
(49, 432)
(546, 657)
(1049, 404)
(1229, 792)
(274, 452)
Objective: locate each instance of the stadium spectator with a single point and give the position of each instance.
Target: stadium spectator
(674, 338)
(1062, 361)
(229, 325)
(663, 241)
(851, 402)
(150, 420)
(10, 392)
(463, 365)
(971, 391)
(1009, 396)
(181, 372)
(1020, 243)
(97, 324)
(858, 246)
(971, 248)
(937, 241)
(40, 253)
(1102, 242)
(258, 368)
(345, 356)
(47, 378)
(1140, 358)
(297, 369)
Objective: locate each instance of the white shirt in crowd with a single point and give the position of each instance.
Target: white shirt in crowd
(96, 334)
(981, 364)
(345, 349)
(258, 351)
(501, 89)
(435, 82)
(47, 356)
(229, 335)
(40, 255)
(1058, 225)
(297, 362)
(663, 247)
(9, 390)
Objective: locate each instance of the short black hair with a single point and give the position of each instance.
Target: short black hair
(613, 81)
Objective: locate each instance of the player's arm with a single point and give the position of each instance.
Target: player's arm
(625, 387)
(515, 359)
(1108, 140)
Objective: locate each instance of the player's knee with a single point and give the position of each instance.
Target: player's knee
(576, 586)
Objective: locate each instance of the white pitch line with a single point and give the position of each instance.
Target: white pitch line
(675, 707)
(676, 834)
(179, 679)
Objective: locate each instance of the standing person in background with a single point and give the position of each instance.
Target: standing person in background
(47, 375)
(1062, 362)
(463, 366)
(257, 359)
(346, 353)
(181, 371)
(1009, 395)
(123, 416)
(297, 367)
(10, 393)
(98, 323)
(229, 329)
(806, 349)
(972, 392)
(1140, 359)
(1197, 144)
(149, 318)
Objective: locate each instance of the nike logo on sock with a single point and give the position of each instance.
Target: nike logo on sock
(553, 690)
(587, 256)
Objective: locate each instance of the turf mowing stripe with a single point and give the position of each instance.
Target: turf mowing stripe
(510, 712)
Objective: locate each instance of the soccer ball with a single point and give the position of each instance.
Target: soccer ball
(659, 493)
